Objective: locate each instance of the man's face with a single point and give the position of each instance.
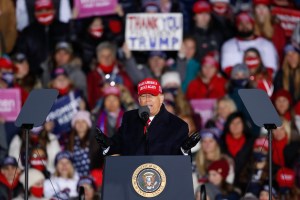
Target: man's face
(157, 64)
(106, 57)
(202, 19)
(9, 172)
(153, 102)
(245, 26)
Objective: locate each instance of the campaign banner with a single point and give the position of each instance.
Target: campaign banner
(88, 8)
(288, 18)
(154, 32)
(10, 104)
(204, 107)
(63, 111)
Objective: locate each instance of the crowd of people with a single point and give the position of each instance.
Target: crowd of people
(227, 45)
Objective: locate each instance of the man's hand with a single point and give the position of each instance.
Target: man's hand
(191, 141)
(102, 139)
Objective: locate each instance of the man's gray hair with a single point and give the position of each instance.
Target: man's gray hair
(106, 45)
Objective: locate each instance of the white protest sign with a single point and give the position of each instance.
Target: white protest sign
(154, 31)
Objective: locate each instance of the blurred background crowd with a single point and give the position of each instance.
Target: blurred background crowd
(227, 45)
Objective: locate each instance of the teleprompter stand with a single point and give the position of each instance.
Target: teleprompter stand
(33, 114)
(263, 114)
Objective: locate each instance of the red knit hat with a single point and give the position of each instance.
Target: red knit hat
(264, 2)
(244, 17)
(201, 6)
(149, 86)
(285, 177)
(261, 143)
(220, 166)
(282, 93)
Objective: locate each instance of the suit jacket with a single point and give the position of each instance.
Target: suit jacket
(165, 135)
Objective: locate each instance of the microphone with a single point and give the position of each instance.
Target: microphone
(144, 113)
(81, 193)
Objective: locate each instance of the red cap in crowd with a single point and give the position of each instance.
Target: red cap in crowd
(201, 6)
(149, 86)
(261, 143)
(282, 93)
(111, 90)
(6, 63)
(220, 166)
(285, 177)
(264, 2)
(244, 17)
(211, 59)
(43, 4)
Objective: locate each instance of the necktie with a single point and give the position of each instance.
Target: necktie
(146, 126)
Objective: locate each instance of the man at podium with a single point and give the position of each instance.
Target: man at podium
(150, 130)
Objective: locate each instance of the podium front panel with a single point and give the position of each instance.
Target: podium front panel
(147, 177)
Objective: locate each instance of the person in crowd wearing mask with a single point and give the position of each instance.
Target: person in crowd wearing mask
(255, 173)
(37, 40)
(79, 142)
(159, 133)
(209, 83)
(24, 78)
(38, 160)
(288, 77)
(6, 73)
(268, 26)
(90, 189)
(217, 187)
(206, 31)
(10, 187)
(40, 136)
(233, 50)
(264, 193)
(224, 107)
(186, 64)
(258, 72)
(209, 152)
(106, 72)
(237, 142)
(35, 185)
(64, 57)
(156, 61)
(110, 116)
(175, 101)
(65, 176)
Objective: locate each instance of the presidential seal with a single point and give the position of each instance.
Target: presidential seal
(149, 180)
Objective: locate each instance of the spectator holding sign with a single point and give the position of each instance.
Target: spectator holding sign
(107, 71)
(267, 26)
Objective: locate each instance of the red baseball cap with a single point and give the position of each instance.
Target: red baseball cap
(149, 86)
(43, 4)
(244, 17)
(285, 177)
(201, 6)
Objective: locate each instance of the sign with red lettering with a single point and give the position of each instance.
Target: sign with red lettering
(88, 8)
(288, 18)
(154, 31)
(10, 104)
